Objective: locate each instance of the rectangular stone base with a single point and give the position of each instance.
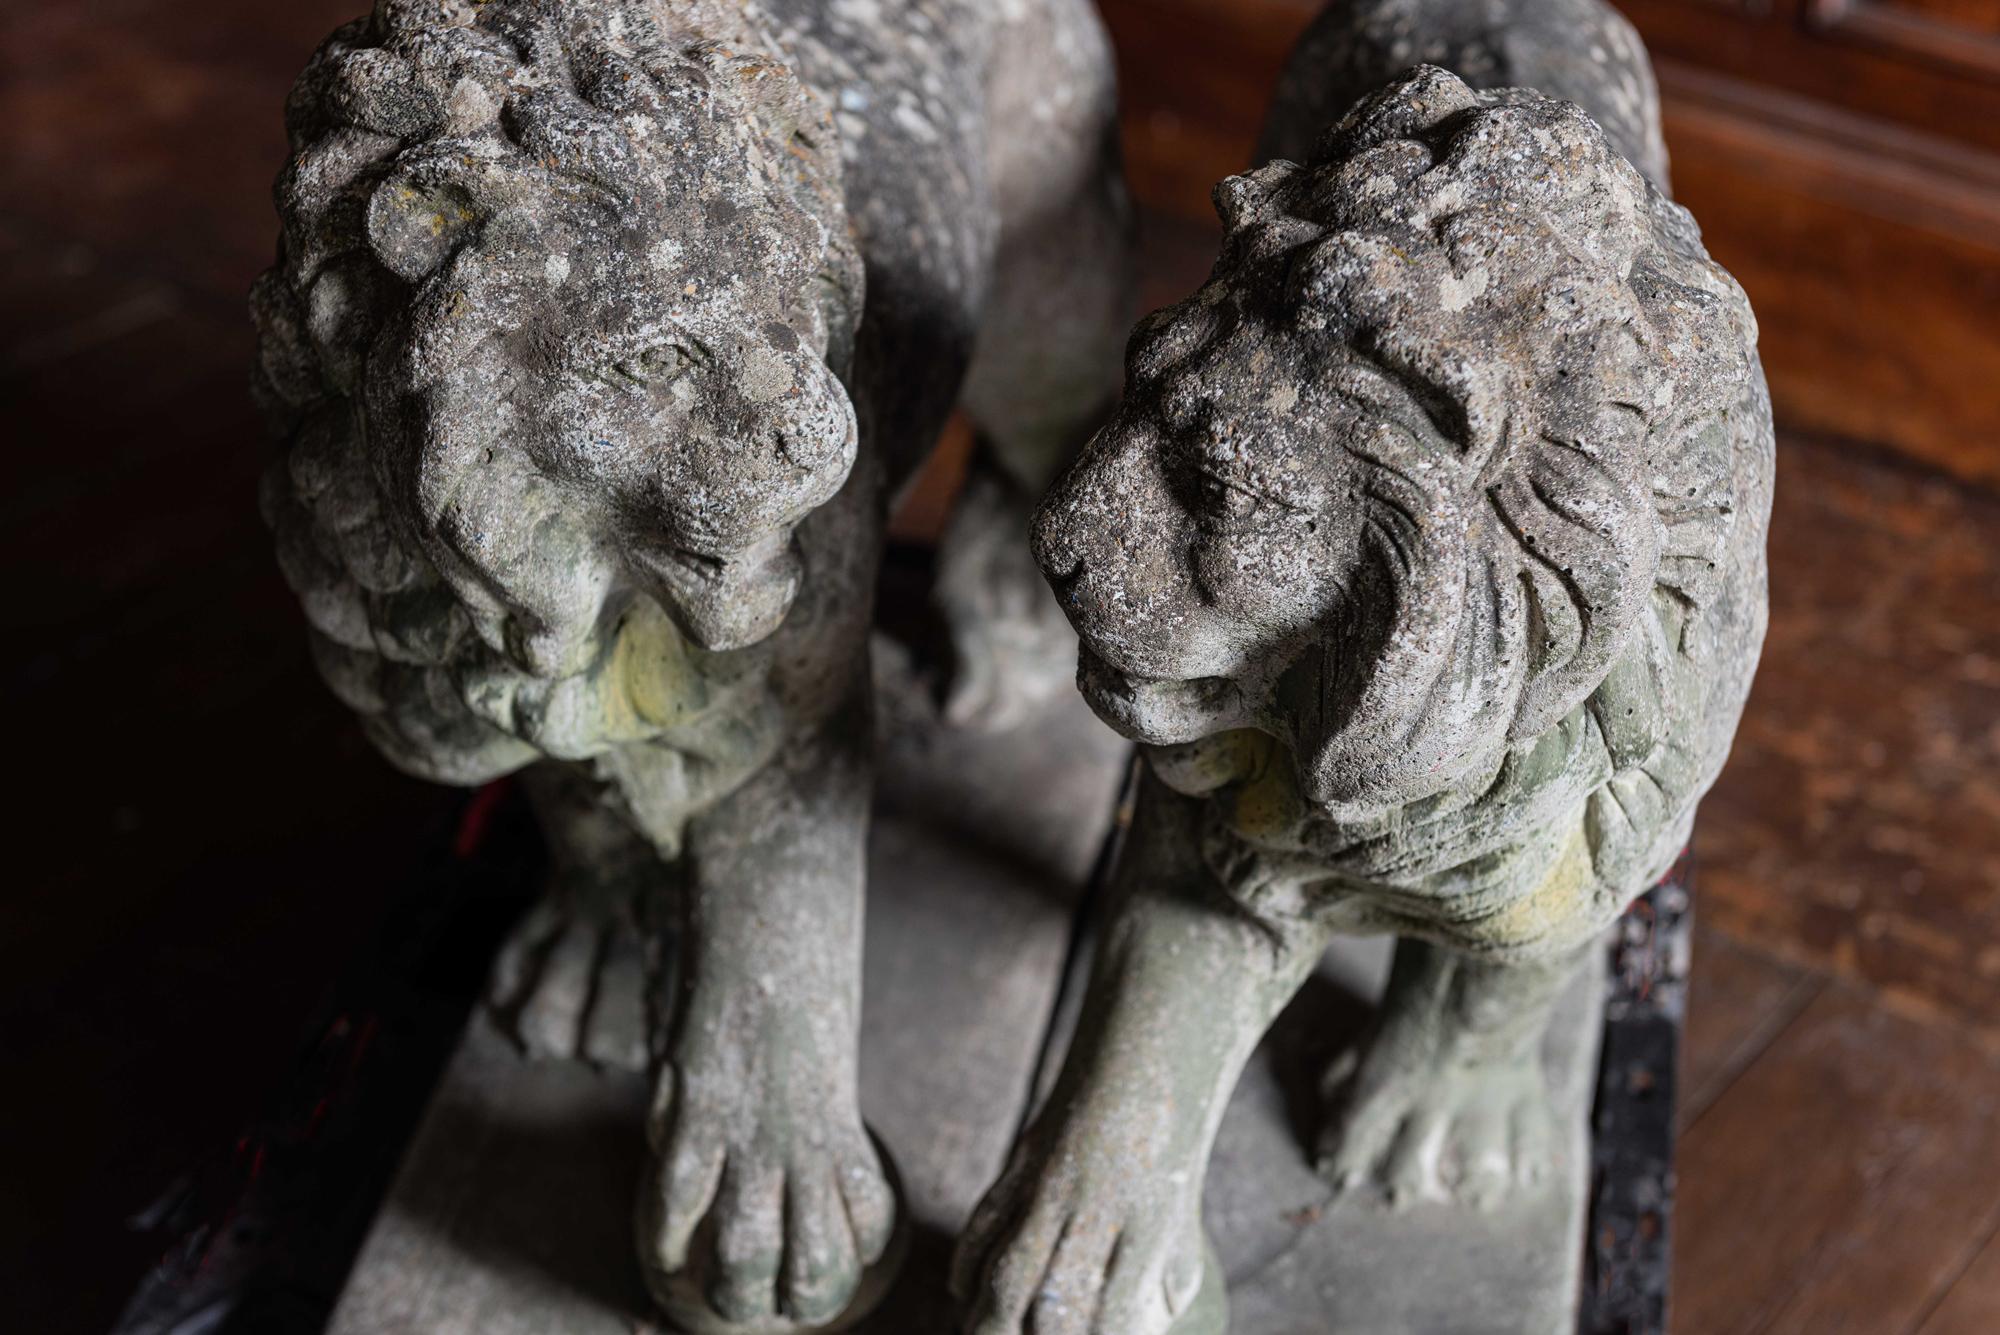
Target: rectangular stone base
(511, 1213)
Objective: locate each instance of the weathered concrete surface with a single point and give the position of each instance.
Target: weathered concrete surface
(506, 1217)
(512, 1212)
(1301, 1260)
(502, 1221)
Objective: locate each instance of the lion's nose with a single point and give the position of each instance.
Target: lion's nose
(814, 433)
(1052, 542)
(1049, 546)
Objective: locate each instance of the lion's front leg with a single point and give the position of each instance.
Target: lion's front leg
(766, 1203)
(1096, 1226)
(1048, 365)
(570, 982)
(1013, 651)
(1447, 1099)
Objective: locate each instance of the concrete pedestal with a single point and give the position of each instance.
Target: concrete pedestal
(511, 1212)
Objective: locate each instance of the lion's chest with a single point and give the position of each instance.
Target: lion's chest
(1463, 875)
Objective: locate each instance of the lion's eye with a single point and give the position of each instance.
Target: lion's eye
(1227, 496)
(1231, 495)
(660, 364)
(1229, 476)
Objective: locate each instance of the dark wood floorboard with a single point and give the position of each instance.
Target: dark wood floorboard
(1972, 1307)
(1843, 1180)
(206, 839)
(1739, 1001)
(1857, 828)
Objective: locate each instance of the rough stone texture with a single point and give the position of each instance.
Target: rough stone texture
(1302, 1258)
(1453, 481)
(600, 335)
(492, 1225)
(498, 1222)
(1426, 559)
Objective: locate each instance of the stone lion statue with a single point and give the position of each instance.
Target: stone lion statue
(1425, 559)
(601, 334)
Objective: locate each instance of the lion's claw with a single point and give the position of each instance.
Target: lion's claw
(1473, 1134)
(572, 987)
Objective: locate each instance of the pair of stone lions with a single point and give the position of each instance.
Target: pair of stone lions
(1424, 559)
(601, 334)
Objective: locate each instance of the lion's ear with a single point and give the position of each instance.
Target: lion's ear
(1242, 201)
(488, 288)
(1416, 101)
(441, 196)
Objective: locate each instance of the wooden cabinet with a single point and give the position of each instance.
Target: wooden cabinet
(1843, 157)
(1957, 35)
(1929, 65)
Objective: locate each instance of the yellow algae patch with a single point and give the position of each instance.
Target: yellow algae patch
(654, 683)
(1268, 805)
(1555, 907)
(1250, 770)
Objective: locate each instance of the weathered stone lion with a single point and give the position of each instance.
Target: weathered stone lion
(590, 434)
(1425, 558)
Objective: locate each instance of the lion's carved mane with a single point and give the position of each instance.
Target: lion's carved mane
(505, 225)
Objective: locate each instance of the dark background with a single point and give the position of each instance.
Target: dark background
(201, 843)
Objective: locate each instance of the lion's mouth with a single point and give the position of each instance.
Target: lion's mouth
(1156, 711)
(731, 601)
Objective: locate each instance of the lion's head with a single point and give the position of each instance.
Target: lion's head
(1397, 484)
(569, 276)
(561, 295)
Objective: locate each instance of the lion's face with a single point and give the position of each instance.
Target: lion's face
(1209, 531)
(626, 431)
(553, 339)
(585, 279)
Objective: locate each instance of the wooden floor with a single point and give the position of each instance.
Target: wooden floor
(203, 833)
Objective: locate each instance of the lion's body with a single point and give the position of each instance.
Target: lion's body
(1553, 845)
(974, 137)
(1425, 560)
(1580, 50)
(601, 335)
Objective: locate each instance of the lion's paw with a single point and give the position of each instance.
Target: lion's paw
(1013, 650)
(1474, 1133)
(571, 985)
(1055, 1250)
(761, 1220)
